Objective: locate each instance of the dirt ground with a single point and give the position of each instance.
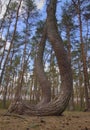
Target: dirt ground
(68, 121)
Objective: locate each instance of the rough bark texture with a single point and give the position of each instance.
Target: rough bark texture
(56, 106)
(41, 76)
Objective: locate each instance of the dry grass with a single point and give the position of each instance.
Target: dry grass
(69, 121)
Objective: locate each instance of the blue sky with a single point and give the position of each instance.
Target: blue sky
(40, 5)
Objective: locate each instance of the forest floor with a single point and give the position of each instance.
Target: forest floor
(68, 121)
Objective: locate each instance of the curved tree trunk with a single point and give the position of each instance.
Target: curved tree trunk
(41, 76)
(55, 107)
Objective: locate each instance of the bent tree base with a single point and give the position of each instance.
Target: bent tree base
(56, 106)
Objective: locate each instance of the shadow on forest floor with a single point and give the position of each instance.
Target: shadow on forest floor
(69, 121)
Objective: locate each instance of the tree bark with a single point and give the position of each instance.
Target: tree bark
(83, 56)
(41, 76)
(56, 106)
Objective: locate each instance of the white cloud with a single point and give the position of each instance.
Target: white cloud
(40, 3)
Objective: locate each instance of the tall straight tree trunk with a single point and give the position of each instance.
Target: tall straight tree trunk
(3, 53)
(21, 76)
(5, 94)
(56, 106)
(71, 102)
(83, 55)
(80, 86)
(11, 43)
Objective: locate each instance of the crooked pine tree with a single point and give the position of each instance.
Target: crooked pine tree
(57, 105)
